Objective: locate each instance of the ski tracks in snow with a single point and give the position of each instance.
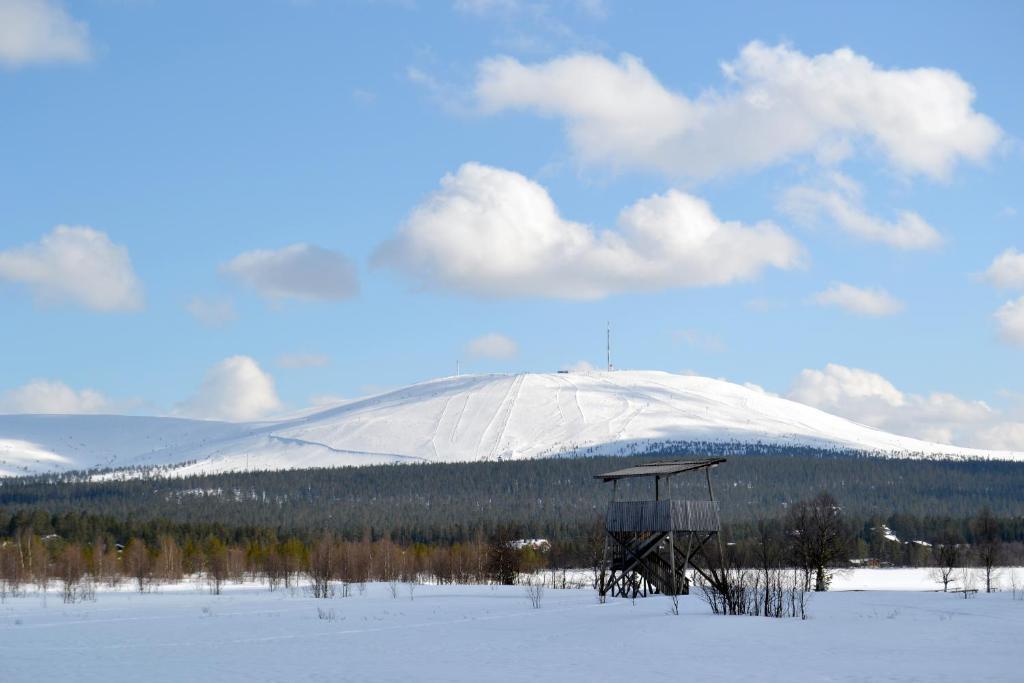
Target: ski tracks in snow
(503, 414)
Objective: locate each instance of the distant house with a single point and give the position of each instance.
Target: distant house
(541, 545)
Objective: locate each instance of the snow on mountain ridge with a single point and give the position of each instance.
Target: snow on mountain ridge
(466, 418)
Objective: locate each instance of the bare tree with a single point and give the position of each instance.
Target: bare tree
(534, 587)
(968, 582)
(168, 560)
(503, 558)
(988, 545)
(12, 573)
(217, 568)
(70, 568)
(948, 557)
(819, 538)
(137, 563)
(324, 560)
(1016, 585)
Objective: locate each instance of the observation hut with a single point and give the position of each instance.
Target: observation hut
(650, 544)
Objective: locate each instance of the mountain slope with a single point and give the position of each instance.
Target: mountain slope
(479, 417)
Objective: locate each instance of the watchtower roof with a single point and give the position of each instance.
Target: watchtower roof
(660, 468)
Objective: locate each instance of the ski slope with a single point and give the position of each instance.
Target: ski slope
(468, 418)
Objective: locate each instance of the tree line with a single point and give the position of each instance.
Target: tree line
(764, 566)
(550, 498)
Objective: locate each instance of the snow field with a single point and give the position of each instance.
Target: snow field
(473, 633)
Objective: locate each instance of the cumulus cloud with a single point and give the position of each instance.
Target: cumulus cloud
(871, 399)
(74, 264)
(493, 232)
(235, 389)
(299, 271)
(212, 312)
(295, 361)
(873, 301)
(53, 397)
(1007, 436)
(777, 103)
(1010, 320)
(492, 345)
(841, 203)
(1007, 270)
(40, 32)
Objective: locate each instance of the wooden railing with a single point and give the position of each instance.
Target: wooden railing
(662, 515)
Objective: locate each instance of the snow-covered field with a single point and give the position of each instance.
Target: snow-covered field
(474, 633)
(468, 418)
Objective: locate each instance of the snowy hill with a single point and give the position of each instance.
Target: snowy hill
(479, 417)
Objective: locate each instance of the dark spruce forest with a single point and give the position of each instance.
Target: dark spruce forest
(558, 498)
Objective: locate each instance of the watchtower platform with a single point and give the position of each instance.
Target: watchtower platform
(650, 544)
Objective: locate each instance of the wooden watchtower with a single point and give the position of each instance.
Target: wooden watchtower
(650, 544)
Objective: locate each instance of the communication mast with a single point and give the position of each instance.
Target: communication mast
(608, 346)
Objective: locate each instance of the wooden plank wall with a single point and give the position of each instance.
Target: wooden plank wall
(662, 515)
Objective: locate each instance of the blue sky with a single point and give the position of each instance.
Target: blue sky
(752, 164)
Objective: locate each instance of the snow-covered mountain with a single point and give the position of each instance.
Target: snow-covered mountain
(477, 417)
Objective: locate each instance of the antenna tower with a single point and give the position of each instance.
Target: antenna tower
(608, 347)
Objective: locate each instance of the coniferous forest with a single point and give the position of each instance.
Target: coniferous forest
(557, 499)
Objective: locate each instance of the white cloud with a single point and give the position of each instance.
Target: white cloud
(1010, 319)
(841, 202)
(1007, 270)
(1006, 436)
(871, 399)
(838, 383)
(756, 387)
(493, 232)
(212, 312)
(235, 389)
(52, 397)
(295, 361)
(778, 103)
(299, 271)
(872, 301)
(492, 345)
(327, 400)
(483, 7)
(78, 265)
(39, 32)
(582, 366)
(699, 340)
(595, 9)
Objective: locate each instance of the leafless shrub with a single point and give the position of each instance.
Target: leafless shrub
(968, 582)
(770, 590)
(534, 588)
(323, 566)
(70, 566)
(137, 563)
(1016, 585)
